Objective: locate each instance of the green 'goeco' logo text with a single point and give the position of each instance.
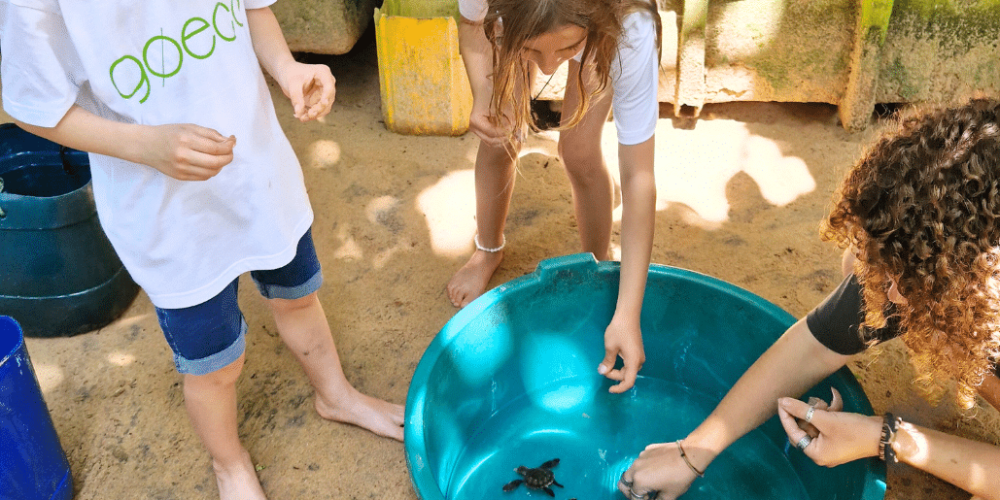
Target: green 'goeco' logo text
(132, 74)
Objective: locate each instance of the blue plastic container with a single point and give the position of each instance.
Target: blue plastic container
(511, 380)
(33, 465)
(60, 276)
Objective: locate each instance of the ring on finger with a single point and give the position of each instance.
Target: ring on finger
(649, 495)
(626, 482)
(803, 442)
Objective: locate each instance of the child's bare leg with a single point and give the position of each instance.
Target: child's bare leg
(211, 404)
(304, 328)
(494, 187)
(580, 151)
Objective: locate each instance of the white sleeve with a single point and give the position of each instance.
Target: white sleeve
(40, 68)
(473, 10)
(635, 80)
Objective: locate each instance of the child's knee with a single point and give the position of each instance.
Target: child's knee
(223, 377)
(291, 306)
(579, 156)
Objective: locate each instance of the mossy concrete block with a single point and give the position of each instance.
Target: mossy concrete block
(850, 53)
(323, 26)
(941, 52)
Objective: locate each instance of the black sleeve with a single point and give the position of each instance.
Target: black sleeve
(834, 322)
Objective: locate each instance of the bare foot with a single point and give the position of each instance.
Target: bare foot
(470, 281)
(381, 417)
(238, 481)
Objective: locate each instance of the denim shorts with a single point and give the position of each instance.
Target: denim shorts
(211, 335)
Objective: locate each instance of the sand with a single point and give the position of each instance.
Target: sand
(740, 196)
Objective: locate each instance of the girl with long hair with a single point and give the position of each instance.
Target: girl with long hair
(612, 50)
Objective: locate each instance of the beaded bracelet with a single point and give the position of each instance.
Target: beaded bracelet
(885, 451)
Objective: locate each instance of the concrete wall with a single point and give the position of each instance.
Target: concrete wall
(323, 26)
(851, 53)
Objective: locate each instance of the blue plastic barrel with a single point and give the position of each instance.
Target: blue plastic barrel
(59, 275)
(33, 465)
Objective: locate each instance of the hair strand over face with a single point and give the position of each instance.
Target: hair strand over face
(509, 24)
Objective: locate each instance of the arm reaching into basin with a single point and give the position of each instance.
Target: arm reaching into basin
(778, 372)
(918, 210)
(623, 336)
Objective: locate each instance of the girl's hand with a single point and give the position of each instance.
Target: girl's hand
(841, 438)
(310, 87)
(481, 124)
(622, 338)
(187, 152)
(659, 468)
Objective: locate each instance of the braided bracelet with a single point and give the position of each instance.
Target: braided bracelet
(885, 451)
(688, 462)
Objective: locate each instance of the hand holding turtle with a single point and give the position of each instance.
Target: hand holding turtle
(841, 437)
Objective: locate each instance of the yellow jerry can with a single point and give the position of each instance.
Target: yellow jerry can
(425, 90)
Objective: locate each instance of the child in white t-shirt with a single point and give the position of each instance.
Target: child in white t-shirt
(612, 49)
(146, 88)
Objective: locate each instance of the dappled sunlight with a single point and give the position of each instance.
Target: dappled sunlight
(781, 179)
(693, 169)
(449, 206)
(380, 207)
(480, 351)
(382, 258)
(763, 30)
(549, 359)
(49, 376)
(323, 154)
(119, 358)
(349, 248)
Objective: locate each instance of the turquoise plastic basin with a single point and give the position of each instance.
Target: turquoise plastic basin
(511, 381)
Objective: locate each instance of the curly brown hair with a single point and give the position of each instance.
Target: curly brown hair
(922, 207)
(523, 20)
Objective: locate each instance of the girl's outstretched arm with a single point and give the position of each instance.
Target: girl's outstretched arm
(796, 362)
(623, 336)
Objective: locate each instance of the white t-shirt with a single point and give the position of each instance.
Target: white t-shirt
(154, 63)
(634, 73)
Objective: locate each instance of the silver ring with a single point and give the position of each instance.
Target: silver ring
(803, 442)
(649, 495)
(809, 414)
(627, 483)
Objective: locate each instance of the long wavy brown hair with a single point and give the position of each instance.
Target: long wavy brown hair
(511, 23)
(922, 207)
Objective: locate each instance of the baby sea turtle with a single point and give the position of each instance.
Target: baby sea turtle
(536, 479)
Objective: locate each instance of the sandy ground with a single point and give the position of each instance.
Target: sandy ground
(741, 194)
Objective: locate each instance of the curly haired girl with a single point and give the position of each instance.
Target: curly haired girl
(919, 216)
(612, 50)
